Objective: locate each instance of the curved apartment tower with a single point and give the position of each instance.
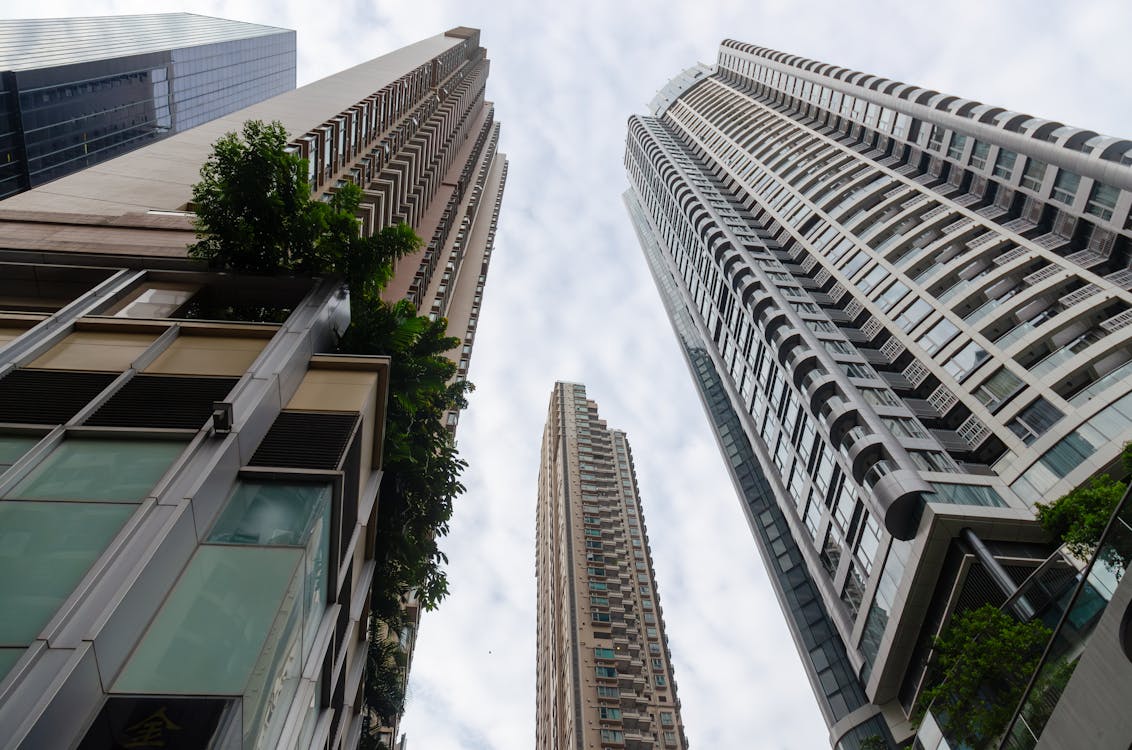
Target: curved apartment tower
(907, 314)
(604, 669)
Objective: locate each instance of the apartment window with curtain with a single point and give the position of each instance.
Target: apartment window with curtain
(1034, 175)
(1065, 186)
(979, 153)
(1102, 201)
(958, 142)
(1004, 163)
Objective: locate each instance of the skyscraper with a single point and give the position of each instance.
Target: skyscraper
(604, 675)
(188, 488)
(906, 315)
(78, 91)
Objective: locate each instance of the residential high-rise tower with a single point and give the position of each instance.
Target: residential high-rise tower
(189, 480)
(604, 675)
(78, 91)
(907, 315)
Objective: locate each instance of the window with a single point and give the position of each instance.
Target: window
(966, 494)
(872, 278)
(659, 680)
(599, 601)
(937, 336)
(904, 427)
(979, 152)
(857, 369)
(100, 469)
(609, 714)
(965, 360)
(936, 139)
(612, 735)
(880, 396)
(999, 387)
(606, 671)
(821, 326)
(603, 653)
(600, 617)
(868, 544)
(933, 461)
(892, 295)
(1004, 164)
(1034, 175)
(1102, 201)
(1035, 420)
(669, 738)
(666, 719)
(913, 315)
(838, 347)
(955, 150)
(605, 691)
(598, 586)
(12, 448)
(1065, 186)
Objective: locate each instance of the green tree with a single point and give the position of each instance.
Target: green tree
(253, 203)
(421, 464)
(983, 660)
(1079, 518)
(255, 215)
(873, 742)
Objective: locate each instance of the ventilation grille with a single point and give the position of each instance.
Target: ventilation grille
(183, 403)
(306, 440)
(48, 396)
(1010, 255)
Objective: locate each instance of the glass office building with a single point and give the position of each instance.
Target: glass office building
(78, 91)
(907, 315)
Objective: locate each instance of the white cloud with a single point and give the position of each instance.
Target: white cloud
(569, 297)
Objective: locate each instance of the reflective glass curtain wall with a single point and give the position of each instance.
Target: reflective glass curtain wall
(76, 92)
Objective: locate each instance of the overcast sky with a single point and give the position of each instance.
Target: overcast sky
(569, 297)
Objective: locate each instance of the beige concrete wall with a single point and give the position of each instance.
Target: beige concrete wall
(160, 176)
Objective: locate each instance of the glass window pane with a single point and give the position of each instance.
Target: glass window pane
(12, 447)
(211, 629)
(45, 550)
(966, 494)
(268, 513)
(100, 469)
(8, 659)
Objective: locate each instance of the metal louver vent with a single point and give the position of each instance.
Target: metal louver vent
(1010, 255)
(48, 396)
(169, 401)
(306, 440)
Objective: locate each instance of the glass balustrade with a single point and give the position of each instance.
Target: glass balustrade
(880, 469)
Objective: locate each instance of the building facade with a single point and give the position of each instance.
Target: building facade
(604, 671)
(77, 91)
(189, 482)
(906, 315)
